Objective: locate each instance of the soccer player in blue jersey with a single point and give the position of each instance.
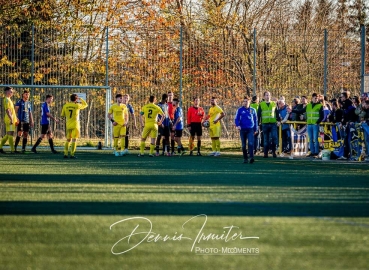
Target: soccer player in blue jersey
(178, 126)
(45, 125)
(164, 128)
(131, 111)
(24, 113)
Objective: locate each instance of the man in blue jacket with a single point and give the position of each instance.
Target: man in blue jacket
(246, 122)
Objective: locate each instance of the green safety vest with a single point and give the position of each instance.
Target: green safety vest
(312, 113)
(255, 106)
(268, 112)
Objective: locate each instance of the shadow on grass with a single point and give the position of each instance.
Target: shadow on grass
(196, 177)
(163, 208)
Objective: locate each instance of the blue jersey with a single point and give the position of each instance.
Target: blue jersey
(164, 107)
(23, 110)
(130, 108)
(178, 114)
(44, 110)
(246, 118)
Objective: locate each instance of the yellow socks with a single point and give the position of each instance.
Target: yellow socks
(217, 145)
(142, 148)
(116, 144)
(3, 141)
(74, 147)
(122, 143)
(214, 145)
(152, 148)
(11, 143)
(66, 148)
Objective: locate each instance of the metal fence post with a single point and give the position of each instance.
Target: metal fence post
(107, 137)
(325, 61)
(254, 71)
(32, 76)
(180, 65)
(363, 37)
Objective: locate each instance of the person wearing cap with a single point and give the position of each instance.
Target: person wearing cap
(10, 119)
(23, 110)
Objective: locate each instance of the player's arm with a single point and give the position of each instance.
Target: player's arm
(255, 116)
(222, 114)
(110, 116)
(83, 104)
(31, 122)
(237, 119)
(63, 112)
(48, 114)
(189, 117)
(126, 117)
(142, 118)
(8, 111)
(132, 112)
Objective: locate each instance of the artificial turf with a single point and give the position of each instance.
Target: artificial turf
(58, 213)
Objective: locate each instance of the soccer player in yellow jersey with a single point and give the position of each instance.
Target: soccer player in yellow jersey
(149, 113)
(118, 115)
(71, 113)
(10, 120)
(215, 115)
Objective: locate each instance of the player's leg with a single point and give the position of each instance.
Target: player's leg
(19, 136)
(153, 135)
(158, 140)
(67, 143)
(126, 140)
(178, 136)
(116, 138)
(10, 129)
(145, 134)
(44, 129)
(26, 129)
(217, 132)
(51, 141)
(122, 135)
(116, 132)
(166, 141)
(2, 143)
(75, 136)
(172, 140)
(191, 140)
(199, 134)
(11, 139)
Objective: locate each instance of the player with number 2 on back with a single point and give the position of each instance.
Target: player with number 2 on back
(71, 113)
(149, 113)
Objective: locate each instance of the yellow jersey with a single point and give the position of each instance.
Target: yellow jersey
(150, 112)
(119, 112)
(71, 113)
(214, 113)
(8, 105)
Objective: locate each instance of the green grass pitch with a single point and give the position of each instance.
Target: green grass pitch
(181, 212)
